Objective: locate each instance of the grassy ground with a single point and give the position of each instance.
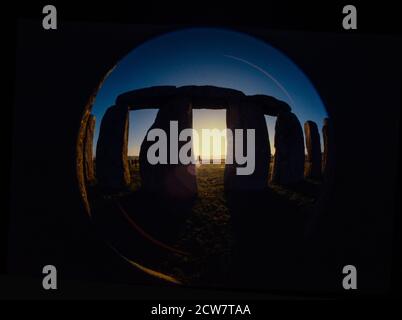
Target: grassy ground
(208, 231)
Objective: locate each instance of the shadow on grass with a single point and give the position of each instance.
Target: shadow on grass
(243, 239)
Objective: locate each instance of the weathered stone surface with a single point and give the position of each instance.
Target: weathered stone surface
(88, 143)
(269, 105)
(80, 145)
(328, 156)
(112, 170)
(209, 96)
(313, 161)
(240, 116)
(288, 166)
(175, 180)
(201, 97)
(152, 97)
(80, 161)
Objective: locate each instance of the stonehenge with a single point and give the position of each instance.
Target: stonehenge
(288, 165)
(88, 158)
(313, 146)
(112, 170)
(243, 116)
(328, 155)
(174, 179)
(242, 112)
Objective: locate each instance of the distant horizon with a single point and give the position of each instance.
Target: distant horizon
(137, 156)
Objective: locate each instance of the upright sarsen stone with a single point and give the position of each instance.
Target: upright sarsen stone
(82, 183)
(288, 166)
(328, 156)
(88, 144)
(176, 180)
(239, 115)
(112, 170)
(313, 161)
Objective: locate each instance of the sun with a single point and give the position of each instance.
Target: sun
(213, 145)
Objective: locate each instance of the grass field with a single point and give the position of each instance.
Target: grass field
(207, 232)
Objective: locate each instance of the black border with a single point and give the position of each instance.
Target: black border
(373, 18)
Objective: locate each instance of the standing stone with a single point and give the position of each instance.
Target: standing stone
(88, 143)
(175, 180)
(80, 161)
(112, 170)
(313, 162)
(239, 115)
(288, 166)
(327, 161)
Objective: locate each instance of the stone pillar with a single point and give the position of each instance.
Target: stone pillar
(288, 166)
(239, 115)
(112, 170)
(80, 160)
(327, 161)
(175, 180)
(88, 144)
(313, 162)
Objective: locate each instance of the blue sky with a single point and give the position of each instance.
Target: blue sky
(205, 56)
